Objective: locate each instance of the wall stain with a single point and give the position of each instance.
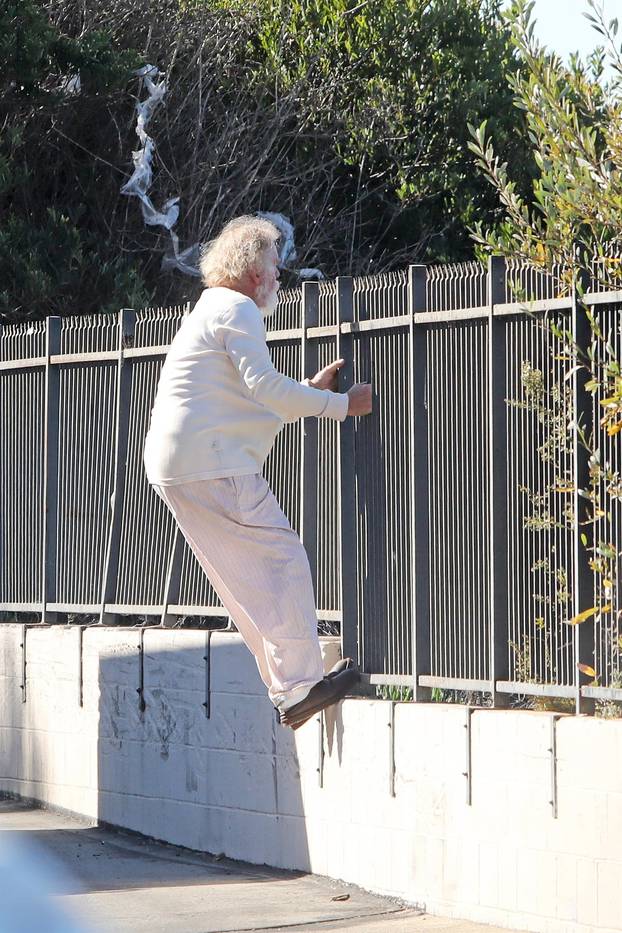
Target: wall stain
(164, 722)
(191, 779)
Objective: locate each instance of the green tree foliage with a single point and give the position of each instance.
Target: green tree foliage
(574, 216)
(349, 118)
(571, 225)
(56, 255)
(396, 82)
(574, 119)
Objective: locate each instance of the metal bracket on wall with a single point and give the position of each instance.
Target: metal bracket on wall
(207, 657)
(141, 672)
(320, 749)
(81, 665)
(23, 649)
(553, 754)
(468, 774)
(391, 725)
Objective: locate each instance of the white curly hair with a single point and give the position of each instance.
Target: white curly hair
(236, 249)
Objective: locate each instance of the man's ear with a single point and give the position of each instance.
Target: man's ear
(254, 274)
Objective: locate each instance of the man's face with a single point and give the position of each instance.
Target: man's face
(268, 288)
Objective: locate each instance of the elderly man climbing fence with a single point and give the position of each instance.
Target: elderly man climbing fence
(219, 406)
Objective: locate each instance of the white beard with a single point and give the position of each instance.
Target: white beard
(267, 302)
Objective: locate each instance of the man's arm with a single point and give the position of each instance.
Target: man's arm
(242, 332)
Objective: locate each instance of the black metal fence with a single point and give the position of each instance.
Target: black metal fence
(442, 530)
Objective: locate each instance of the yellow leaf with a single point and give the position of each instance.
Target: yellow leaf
(607, 583)
(611, 400)
(582, 616)
(605, 609)
(597, 514)
(614, 428)
(586, 669)
(564, 489)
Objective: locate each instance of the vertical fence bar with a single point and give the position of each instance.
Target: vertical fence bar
(173, 580)
(583, 595)
(50, 469)
(498, 492)
(309, 434)
(419, 482)
(127, 325)
(347, 479)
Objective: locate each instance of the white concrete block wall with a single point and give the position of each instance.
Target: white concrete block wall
(239, 784)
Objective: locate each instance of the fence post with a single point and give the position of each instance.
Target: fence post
(498, 493)
(347, 478)
(583, 595)
(309, 435)
(419, 483)
(173, 579)
(50, 469)
(127, 324)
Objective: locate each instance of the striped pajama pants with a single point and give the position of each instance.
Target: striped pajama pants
(260, 571)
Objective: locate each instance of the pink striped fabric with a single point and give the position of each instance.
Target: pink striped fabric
(258, 567)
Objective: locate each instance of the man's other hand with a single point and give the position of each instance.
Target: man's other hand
(359, 399)
(327, 377)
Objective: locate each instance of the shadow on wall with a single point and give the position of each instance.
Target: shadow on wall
(222, 778)
(202, 762)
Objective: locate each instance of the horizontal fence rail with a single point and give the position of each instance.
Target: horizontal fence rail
(445, 532)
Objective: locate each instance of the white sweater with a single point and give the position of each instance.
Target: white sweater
(220, 402)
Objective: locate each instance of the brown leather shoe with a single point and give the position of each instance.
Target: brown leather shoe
(332, 688)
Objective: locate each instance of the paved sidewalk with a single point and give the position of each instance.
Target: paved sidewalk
(121, 883)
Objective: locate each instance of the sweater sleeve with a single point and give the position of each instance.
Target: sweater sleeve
(242, 332)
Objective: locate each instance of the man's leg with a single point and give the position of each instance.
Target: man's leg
(259, 569)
